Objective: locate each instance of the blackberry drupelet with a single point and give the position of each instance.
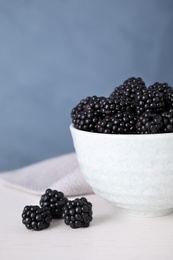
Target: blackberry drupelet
(167, 117)
(149, 123)
(36, 218)
(87, 113)
(121, 123)
(55, 201)
(78, 213)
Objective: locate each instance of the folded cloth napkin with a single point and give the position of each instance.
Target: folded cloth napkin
(61, 173)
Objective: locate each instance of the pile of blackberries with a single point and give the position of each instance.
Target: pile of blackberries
(54, 205)
(132, 108)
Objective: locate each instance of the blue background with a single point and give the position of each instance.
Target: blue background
(54, 53)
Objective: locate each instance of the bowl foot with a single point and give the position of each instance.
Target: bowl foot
(147, 213)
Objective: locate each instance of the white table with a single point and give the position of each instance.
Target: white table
(110, 236)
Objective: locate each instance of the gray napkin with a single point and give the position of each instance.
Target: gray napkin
(61, 173)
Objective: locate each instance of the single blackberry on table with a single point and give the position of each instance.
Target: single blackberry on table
(36, 218)
(87, 113)
(167, 118)
(55, 201)
(149, 123)
(78, 213)
(121, 123)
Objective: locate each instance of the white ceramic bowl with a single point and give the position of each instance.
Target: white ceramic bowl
(135, 172)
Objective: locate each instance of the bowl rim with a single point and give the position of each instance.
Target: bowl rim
(72, 128)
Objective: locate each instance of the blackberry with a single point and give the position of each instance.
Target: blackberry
(86, 104)
(129, 87)
(126, 93)
(107, 107)
(134, 84)
(122, 103)
(78, 213)
(36, 218)
(117, 91)
(110, 106)
(169, 97)
(161, 87)
(55, 201)
(167, 117)
(141, 101)
(149, 123)
(86, 114)
(150, 99)
(105, 126)
(165, 92)
(121, 123)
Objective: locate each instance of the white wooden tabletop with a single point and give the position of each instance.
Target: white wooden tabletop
(110, 236)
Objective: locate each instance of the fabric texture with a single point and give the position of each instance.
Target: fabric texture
(61, 173)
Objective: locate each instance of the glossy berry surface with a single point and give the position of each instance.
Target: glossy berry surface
(149, 123)
(78, 213)
(55, 201)
(86, 114)
(132, 108)
(36, 218)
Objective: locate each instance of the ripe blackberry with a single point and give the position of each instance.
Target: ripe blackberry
(161, 87)
(91, 102)
(150, 99)
(130, 87)
(36, 218)
(149, 123)
(122, 102)
(121, 123)
(117, 91)
(169, 97)
(167, 117)
(110, 106)
(105, 126)
(55, 201)
(77, 213)
(86, 114)
(126, 93)
(141, 100)
(134, 83)
(107, 107)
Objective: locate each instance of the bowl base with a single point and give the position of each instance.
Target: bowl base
(146, 213)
